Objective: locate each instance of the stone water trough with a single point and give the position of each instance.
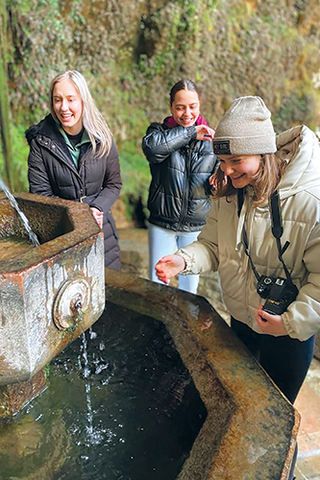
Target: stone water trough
(251, 428)
(48, 295)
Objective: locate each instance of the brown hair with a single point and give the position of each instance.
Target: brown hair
(266, 180)
(183, 84)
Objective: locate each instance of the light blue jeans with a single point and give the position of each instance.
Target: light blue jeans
(166, 242)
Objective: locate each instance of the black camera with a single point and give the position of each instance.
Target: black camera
(264, 286)
(279, 292)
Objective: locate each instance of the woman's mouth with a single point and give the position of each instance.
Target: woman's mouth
(65, 116)
(237, 178)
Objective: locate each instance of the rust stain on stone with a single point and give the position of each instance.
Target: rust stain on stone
(15, 396)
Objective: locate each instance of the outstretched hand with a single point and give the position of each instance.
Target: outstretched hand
(270, 324)
(169, 266)
(204, 133)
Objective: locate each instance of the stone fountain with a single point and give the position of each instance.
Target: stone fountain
(251, 428)
(50, 294)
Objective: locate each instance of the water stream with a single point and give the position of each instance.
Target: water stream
(125, 408)
(13, 202)
(94, 435)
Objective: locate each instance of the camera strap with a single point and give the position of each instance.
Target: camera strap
(277, 231)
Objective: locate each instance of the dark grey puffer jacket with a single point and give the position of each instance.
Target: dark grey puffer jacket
(53, 173)
(180, 167)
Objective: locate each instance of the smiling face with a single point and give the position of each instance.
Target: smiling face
(241, 169)
(67, 106)
(185, 107)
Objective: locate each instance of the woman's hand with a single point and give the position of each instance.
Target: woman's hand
(213, 180)
(169, 266)
(270, 324)
(204, 133)
(98, 215)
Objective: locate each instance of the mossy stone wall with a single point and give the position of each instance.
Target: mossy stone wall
(132, 52)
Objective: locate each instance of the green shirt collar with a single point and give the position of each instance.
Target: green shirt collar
(75, 150)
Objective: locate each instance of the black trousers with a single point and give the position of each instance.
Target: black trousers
(285, 359)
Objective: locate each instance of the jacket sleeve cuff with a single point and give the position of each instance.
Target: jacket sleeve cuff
(189, 258)
(287, 324)
(193, 132)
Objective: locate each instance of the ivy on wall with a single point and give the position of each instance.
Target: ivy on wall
(132, 52)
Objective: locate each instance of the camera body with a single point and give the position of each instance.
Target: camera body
(279, 293)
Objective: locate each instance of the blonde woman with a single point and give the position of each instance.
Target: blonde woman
(73, 156)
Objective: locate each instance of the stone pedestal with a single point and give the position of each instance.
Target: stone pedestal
(48, 295)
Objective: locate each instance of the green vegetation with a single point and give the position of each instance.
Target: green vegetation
(20, 152)
(47, 370)
(132, 52)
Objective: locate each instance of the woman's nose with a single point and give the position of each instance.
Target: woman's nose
(64, 104)
(227, 169)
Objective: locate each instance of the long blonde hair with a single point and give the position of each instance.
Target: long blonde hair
(94, 123)
(266, 180)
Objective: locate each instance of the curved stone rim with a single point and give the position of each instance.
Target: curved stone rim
(261, 425)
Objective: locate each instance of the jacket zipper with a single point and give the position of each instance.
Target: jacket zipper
(184, 208)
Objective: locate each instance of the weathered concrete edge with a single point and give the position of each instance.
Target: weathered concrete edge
(187, 315)
(84, 228)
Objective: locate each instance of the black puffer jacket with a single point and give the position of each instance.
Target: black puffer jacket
(180, 168)
(53, 173)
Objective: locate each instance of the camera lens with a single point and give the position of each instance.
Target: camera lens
(267, 280)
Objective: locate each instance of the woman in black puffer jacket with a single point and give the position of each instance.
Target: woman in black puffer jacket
(73, 156)
(181, 159)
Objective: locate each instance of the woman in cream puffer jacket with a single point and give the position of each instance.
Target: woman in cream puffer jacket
(220, 248)
(254, 160)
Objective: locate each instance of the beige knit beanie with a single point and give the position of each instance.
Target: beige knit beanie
(245, 129)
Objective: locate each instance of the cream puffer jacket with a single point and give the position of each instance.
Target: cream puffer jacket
(219, 245)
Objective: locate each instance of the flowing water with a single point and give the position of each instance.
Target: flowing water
(124, 408)
(13, 202)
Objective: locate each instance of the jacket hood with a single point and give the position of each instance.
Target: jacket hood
(46, 127)
(299, 147)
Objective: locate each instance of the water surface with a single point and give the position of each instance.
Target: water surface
(143, 417)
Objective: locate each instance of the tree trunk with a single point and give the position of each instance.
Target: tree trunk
(4, 95)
